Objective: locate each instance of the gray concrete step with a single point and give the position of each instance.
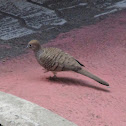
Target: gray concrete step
(15, 111)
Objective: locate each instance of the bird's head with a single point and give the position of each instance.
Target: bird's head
(34, 45)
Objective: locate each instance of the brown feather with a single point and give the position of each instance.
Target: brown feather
(56, 60)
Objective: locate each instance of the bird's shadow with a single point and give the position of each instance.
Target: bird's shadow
(77, 82)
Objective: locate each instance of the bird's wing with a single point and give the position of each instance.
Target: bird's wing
(54, 59)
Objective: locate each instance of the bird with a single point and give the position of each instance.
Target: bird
(56, 60)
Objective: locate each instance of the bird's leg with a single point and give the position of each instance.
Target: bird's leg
(54, 73)
(45, 71)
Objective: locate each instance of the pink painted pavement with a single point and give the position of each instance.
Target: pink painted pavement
(102, 49)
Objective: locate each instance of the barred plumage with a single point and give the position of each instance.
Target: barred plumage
(56, 60)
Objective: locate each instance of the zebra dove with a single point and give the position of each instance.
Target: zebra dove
(56, 60)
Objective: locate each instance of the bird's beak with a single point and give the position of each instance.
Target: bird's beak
(27, 46)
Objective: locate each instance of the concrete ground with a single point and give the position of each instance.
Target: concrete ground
(101, 48)
(23, 20)
(15, 111)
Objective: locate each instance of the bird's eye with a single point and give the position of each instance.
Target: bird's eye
(29, 45)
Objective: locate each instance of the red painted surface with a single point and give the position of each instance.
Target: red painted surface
(102, 49)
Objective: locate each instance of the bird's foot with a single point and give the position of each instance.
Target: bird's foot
(54, 76)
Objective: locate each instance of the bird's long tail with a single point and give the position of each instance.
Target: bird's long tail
(90, 75)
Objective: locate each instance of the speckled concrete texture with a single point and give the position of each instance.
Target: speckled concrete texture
(101, 48)
(15, 111)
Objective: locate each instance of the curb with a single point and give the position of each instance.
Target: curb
(15, 111)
